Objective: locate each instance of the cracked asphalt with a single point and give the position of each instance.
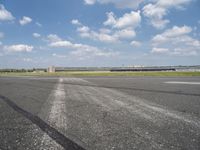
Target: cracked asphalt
(100, 113)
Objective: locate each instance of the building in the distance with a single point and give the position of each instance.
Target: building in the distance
(51, 69)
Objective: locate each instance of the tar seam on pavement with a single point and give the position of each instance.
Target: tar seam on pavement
(52, 132)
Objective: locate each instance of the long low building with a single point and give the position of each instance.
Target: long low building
(142, 69)
(114, 69)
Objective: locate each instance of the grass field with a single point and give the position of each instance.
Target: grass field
(103, 73)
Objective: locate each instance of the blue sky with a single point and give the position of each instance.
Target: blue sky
(99, 33)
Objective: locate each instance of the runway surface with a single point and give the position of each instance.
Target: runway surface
(100, 113)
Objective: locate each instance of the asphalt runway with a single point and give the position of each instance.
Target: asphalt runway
(100, 113)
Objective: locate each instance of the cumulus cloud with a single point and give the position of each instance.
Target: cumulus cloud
(107, 37)
(82, 50)
(136, 43)
(36, 35)
(103, 35)
(131, 19)
(25, 20)
(158, 10)
(53, 38)
(171, 34)
(177, 40)
(83, 29)
(159, 50)
(75, 22)
(111, 19)
(121, 28)
(118, 3)
(18, 48)
(90, 2)
(5, 15)
(125, 33)
(156, 14)
(61, 44)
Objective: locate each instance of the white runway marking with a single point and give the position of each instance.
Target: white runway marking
(57, 114)
(180, 82)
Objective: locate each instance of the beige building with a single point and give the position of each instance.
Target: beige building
(51, 69)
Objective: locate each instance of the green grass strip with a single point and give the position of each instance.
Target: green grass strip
(103, 73)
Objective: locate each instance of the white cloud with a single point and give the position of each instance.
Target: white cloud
(83, 29)
(61, 44)
(170, 34)
(25, 20)
(122, 28)
(118, 3)
(156, 14)
(53, 38)
(159, 50)
(105, 37)
(111, 19)
(90, 2)
(136, 43)
(157, 11)
(18, 48)
(5, 15)
(82, 50)
(131, 19)
(75, 22)
(178, 41)
(102, 36)
(36, 35)
(172, 3)
(38, 24)
(125, 33)
(1, 35)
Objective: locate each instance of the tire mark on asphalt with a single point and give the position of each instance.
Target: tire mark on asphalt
(50, 131)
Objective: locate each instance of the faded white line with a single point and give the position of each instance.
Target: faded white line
(180, 82)
(56, 116)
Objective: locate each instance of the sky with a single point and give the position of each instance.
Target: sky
(99, 33)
